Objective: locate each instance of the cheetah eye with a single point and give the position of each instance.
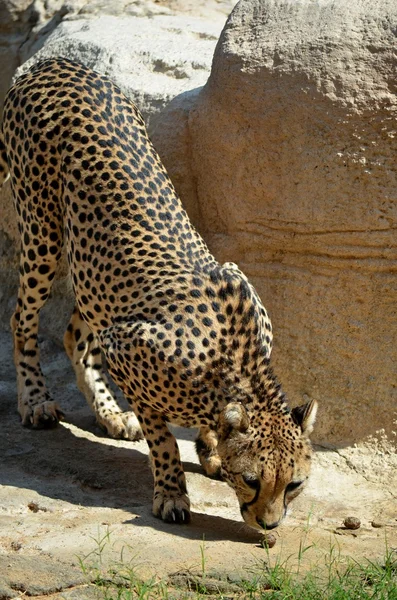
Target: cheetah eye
(251, 480)
(293, 486)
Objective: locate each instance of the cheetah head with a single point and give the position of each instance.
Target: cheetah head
(267, 461)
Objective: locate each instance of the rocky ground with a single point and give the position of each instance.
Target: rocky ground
(63, 490)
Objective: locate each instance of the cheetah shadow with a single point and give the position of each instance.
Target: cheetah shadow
(76, 463)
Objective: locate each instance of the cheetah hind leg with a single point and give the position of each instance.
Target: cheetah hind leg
(85, 355)
(206, 447)
(38, 264)
(36, 407)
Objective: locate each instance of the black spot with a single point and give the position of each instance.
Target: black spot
(43, 269)
(32, 282)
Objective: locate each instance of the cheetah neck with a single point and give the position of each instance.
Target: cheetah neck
(258, 394)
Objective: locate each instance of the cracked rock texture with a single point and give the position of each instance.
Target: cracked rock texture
(293, 148)
(152, 53)
(285, 161)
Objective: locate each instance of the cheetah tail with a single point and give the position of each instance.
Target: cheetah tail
(4, 173)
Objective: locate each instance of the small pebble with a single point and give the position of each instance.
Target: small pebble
(352, 523)
(33, 506)
(376, 524)
(268, 541)
(16, 546)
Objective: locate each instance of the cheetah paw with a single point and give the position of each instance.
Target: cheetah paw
(124, 426)
(42, 416)
(172, 509)
(212, 466)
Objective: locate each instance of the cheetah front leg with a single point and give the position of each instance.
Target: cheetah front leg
(207, 450)
(170, 500)
(85, 355)
(127, 347)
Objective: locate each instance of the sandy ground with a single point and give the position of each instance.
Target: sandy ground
(64, 489)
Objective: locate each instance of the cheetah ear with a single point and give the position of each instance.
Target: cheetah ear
(234, 417)
(305, 416)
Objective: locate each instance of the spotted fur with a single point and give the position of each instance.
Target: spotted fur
(186, 339)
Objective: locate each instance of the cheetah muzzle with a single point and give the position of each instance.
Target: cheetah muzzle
(186, 339)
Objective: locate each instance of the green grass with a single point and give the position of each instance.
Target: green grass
(365, 581)
(337, 578)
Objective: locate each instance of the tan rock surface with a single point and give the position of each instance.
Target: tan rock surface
(14, 28)
(294, 147)
(25, 26)
(22, 22)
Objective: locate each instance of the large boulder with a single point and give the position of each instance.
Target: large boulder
(284, 162)
(14, 28)
(152, 59)
(294, 142)
(22, 24)
(26, 25)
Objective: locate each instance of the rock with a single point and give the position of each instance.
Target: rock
(20, 22)
(26, 25)
(30, 576)
(293, 150)
(16, 546)
(171, 136)
(14, 29)
(377, 524)
(213, 583)
(345, 532)
(151, 59)
(304, 205)
(352, 523)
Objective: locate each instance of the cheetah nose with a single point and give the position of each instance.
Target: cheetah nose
(264, 525)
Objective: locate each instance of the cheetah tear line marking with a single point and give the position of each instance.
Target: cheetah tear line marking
(187, 340)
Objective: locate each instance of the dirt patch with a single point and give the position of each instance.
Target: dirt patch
(65, 490)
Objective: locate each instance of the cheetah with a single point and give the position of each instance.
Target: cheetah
(187, 340)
